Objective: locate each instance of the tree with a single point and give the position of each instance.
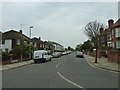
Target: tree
(85, 46)
(23, 49)
(92, 30)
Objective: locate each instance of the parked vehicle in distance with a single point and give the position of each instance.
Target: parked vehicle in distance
(66, 52)
(41, 56)
(56, 54)
(79, 54)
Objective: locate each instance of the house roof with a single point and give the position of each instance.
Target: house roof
(48, 44)
(117, 23)
(36, 40)
(55, 43)
(12, 34)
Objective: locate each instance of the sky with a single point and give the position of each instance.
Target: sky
(62, 22)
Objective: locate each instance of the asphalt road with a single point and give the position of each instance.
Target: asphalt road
(65, 72)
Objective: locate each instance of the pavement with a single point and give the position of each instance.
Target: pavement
(15, 65)
(102, 64)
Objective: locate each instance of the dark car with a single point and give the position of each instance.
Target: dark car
(79, 54)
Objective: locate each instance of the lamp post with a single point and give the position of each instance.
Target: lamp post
(30, 32)
(30, 54)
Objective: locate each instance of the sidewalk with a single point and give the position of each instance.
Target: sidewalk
(15, 65)
(103, 63)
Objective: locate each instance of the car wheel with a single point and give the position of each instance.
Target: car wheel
(50, 59)
(35, 61)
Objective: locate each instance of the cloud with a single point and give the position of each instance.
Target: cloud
(61, 22)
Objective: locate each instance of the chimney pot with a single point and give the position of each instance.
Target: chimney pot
(20, 31)
(110, 23)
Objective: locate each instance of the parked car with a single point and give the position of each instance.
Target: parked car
(79, 54)
(56, 54)
(41, 56)
(64, 53)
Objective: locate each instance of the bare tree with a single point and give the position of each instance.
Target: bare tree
(92, 30)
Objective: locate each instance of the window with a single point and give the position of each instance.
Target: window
(109, 44)
(18, 42)
(117, 32)
(6, 50)
(118, 44)
(113, 33)
(25, 42)
(112, 44)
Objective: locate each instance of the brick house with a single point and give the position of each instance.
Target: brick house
(11, 39)
(113, 41)
(116, 34)
(113, 34)
(38, 43)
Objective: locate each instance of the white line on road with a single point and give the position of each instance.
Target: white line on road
(71, 82)
(58, 64)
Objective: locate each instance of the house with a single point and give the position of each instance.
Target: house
(48, 46)
(12, 38)
(38, 43)
(113, 41)
(116, 34)
(113, 34)
(58, 47)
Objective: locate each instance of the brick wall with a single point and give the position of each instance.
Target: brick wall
(9, 60)
(114, 57)
(99, 53)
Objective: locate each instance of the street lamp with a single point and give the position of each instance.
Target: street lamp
(30, 55)
(30, 32)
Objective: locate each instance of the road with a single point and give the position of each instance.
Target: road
(65, 72)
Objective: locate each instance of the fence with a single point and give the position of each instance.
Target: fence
(12, 59)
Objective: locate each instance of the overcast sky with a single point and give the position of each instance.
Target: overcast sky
(62, 22)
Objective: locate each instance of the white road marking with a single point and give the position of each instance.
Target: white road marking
(71, 81)
(58, 64)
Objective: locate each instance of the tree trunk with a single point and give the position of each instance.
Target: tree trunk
(96, 55)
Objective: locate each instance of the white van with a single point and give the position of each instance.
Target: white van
(41, 56)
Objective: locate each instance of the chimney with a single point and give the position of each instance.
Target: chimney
(101, 31)
(110, 23)
(39, 38)
(20, 31)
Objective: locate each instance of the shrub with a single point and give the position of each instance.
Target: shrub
(5, 54)
(103, 47)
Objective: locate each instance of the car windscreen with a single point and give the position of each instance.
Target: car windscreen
(79, 52)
